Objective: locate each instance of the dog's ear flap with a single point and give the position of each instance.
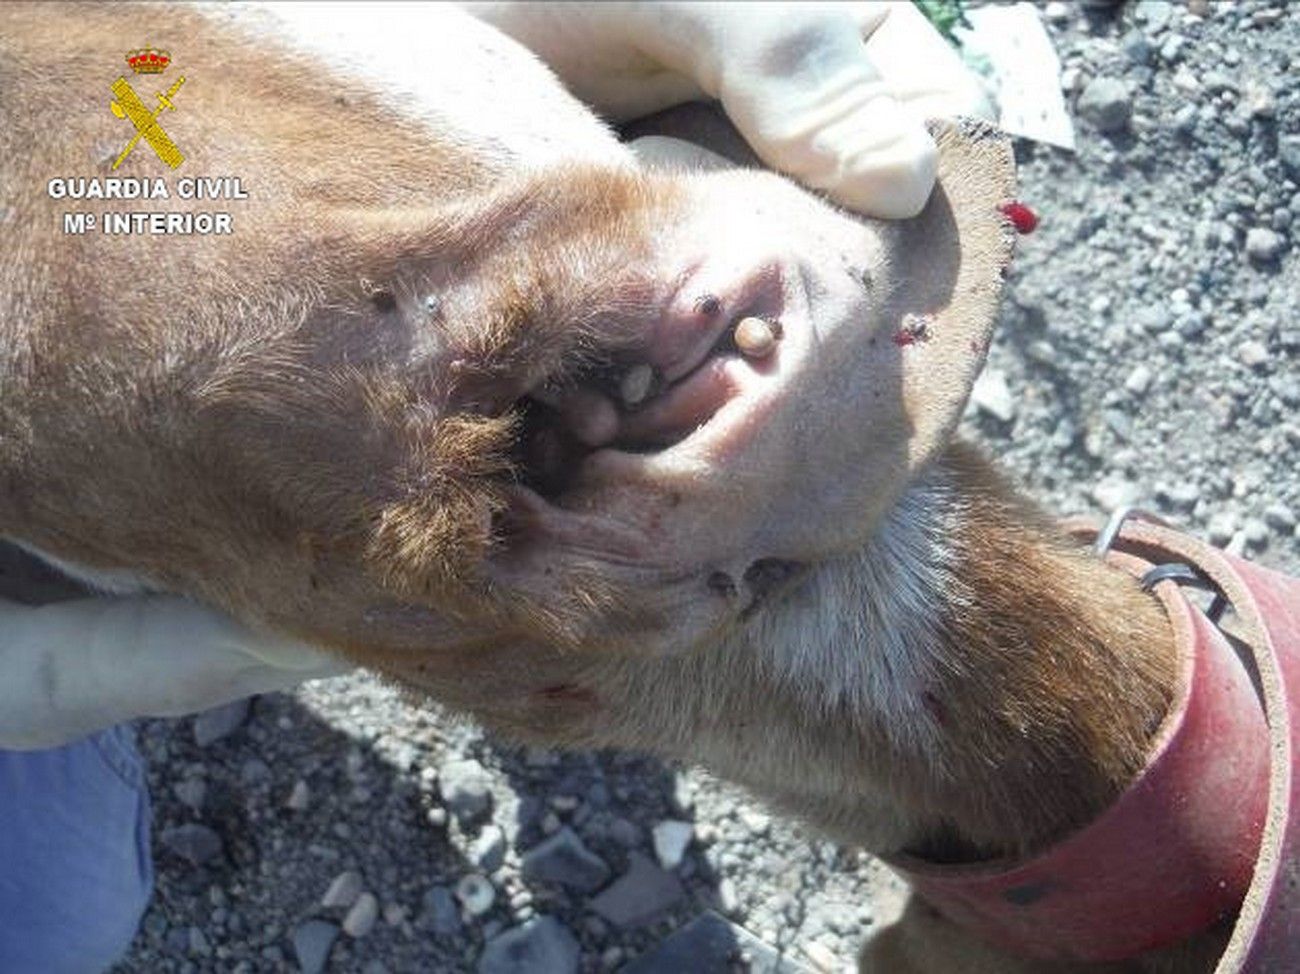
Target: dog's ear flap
(943, 280)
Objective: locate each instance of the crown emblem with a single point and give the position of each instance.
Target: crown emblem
(148, 60)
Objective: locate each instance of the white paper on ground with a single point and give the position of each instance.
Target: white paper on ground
(1026, 70)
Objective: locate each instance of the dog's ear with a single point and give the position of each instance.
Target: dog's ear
(942, 278)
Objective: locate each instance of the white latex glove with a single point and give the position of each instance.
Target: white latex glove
(71, 668)
(833, 94)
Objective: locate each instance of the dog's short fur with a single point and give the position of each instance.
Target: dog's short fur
(315, 424)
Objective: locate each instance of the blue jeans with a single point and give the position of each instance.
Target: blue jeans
(75, 868)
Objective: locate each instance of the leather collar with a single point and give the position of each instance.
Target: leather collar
(1212, 824)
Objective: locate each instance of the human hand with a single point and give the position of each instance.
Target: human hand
(834, 94)
(71, 668)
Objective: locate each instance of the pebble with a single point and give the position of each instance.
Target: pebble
(212, 725)
(1253, 353)
(541, 945)
(312, 943)
(563, 858)
(1139, 380)
(1280, 517)
(641, 895)
(360, 920)
(1114, 492)
(299, 798)
(992, 395)
(1106, 103)
(476, 894)
(343, 891)
(192, 792)
(440, 908)
(465, 787)
(1221, 527)
(711, 944)
(1263, 245)
(822, 957)
(671, 839)
(489, 849)
(194, 843)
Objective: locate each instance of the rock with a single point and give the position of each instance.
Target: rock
(1263, 245)
(992, 395)
(671, 838)
(299, 798)
(1253, 353)
(562, 858)
(625, 833)
(212, 725)
(542, 945)
(1288, 153)
(1106, 103)
(361, 918)
(192, 842)
(440, 909)
(1280, 517)
(465, 787)
(192, 792)
(312, 942)
(1256, 532)
(476, 894)
(1115, 492)
(1221, 527)
(639, 896)
(489, 850)
(1139, 380)
(709, 944)
(343, 891)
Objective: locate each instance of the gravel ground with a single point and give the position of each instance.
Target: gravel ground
(1148, 353)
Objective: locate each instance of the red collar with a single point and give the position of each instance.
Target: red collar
(1181, 848)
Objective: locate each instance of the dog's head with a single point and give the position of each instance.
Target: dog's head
(606, 467)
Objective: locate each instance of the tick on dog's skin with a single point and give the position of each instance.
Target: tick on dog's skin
(757, 337)
(708, 305)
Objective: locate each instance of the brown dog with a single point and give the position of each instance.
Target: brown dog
(388, 414)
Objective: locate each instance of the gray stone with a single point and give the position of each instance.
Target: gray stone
(1263, 245)
(489, 850)
(1221, 527)
(466, 789)
(312, 943)
(711, 944)
(212, 725)
(542, 945)
(1280, 517)
(192, 842)
(562, 858)
(640, 896)
(361, 918)
(440, 910)
(192, 792)
(671, 839)
(1106, 103)
(1253, 353)
(299, 798)
(992, 395)
(343, 891)
(1288, 153)
(1139, 380)
(1115, 492)
(476, 894)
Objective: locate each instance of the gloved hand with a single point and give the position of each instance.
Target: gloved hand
(833, 94)
(70, 668)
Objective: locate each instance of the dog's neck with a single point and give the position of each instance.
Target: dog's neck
(982, 687)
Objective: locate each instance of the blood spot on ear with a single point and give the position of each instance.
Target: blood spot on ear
(1022, 217)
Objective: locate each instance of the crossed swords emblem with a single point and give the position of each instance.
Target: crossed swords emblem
(129, 105)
